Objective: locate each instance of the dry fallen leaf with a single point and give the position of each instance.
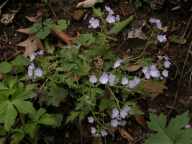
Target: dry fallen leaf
(63, 36)
(1, 76)
(31, 44)
(133, 67)
(125, 135)
(88, 3)
(136, 33)
(35, 18)
(24, 31)
(154, 88)
(141, 120)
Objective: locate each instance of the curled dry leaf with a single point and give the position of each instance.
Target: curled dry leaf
(88, 3)
(1, 76)
(141, 120)
(24, 31)
(63, 36)
(31, 44)
(136, 33)
(124, 134)
(35, 18)
(153, 88)
(133, 67)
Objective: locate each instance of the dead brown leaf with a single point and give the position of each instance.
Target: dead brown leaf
(141, 120)
(35, 18)
(63, 36)
(31, 44)
(154, 88)
(24, 31)
(133, 67)
(136, 33)
(1, 76)
(125, 134)
(88, 3)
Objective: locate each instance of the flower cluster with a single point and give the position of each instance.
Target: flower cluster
(94, 23)
(111, 79)
(94, 131)
(111, 18)
(33, 71)
(118, 116)
(152, 71)
(161, 38)
(35, 54)
(156, 22)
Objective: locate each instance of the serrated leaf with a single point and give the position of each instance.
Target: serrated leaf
(106, 104)
(24, 107)
(5, 67)
(174, 133)
(73, 115)
(62, 24)
(57, 95)
(179, 121)
(86, 39)
(157, 123)
(50, 120)
(20, 61)
(159, 138)
(10, 116)
(119, 26)
(185, 137)
(17, 137)
(97, 12)
(3, 86)
(30, 129)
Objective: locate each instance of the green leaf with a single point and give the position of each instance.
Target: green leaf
(174, 133)
(5, 67)
(106, 104)
(24, 107)
(176, 124)
(86, 39)
(177, 39)
(180, 121)
(20, 61)
(159, 138)
(10, 116)
(50, 120)
(73, 115)
(3, 86)
(17, 137)
(97, 12)
(31, 129)
(119, 26)
(42, 29)
(157, 123)
(57, 95)
(185, 137)
(62, 24)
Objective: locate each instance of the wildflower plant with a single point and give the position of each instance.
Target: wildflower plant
(88, 73)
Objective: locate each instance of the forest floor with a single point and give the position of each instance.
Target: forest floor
(172, 98)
